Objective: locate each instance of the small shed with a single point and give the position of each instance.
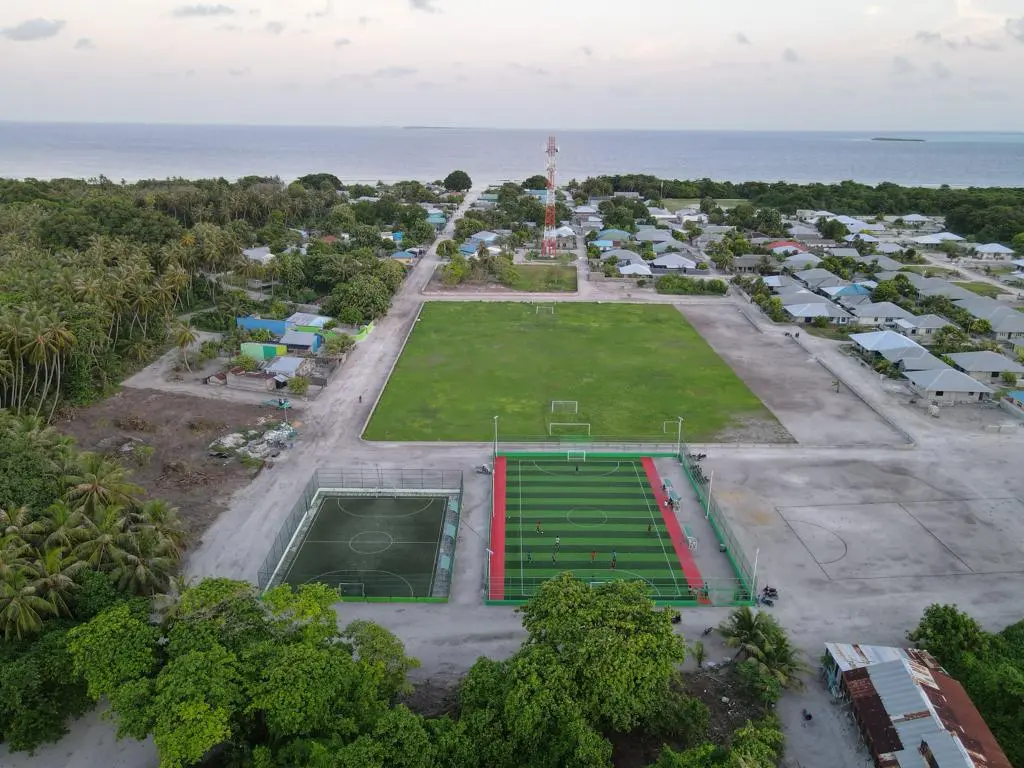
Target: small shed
(307, 319)
(299, 341)
(288, 367)
(258, 351)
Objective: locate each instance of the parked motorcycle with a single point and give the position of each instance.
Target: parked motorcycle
(770, 592)
(708, 631)
(483, 469)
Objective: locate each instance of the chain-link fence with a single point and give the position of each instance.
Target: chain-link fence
(718, 592)
(719, 523)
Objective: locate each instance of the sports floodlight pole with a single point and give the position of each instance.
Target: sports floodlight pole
(679, 437)
(753, 582)
(495, 437)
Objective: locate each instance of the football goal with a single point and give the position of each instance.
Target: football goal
(544, 309)
(569, 429)
(565, 406)
(575, 456)
(352, 588)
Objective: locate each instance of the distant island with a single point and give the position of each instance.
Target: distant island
(893, 138)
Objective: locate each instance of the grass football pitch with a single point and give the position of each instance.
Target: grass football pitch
(630, 368)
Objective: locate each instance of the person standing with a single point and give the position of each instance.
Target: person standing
(558, 542)
(539, 529)
(613, 563)
(650, 527)
(593, 556)
(529, 557)
(554, 558)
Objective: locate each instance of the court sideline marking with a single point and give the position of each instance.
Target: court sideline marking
(654, 522)
(440, 537)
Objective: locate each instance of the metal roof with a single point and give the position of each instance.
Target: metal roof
(299, 339)
(285, 366)
(946, 380)
(985, 362)
(877, 341)
(849, 656)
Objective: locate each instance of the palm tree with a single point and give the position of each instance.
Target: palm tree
(749, 631)
(21, 608)
(14, 526)
(60, 526)
(146, 568)
(98, 483)
(161, 518)
(55, 577)
(108, 538)
(783, 661)
(184, 336)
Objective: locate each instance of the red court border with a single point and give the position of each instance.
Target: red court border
(675, 532)
(496, 589)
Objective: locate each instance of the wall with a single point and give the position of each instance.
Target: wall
(277, 327)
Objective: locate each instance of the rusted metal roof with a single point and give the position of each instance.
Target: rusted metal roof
(907, 707)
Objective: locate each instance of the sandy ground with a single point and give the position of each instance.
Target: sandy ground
(877, 511)
(179, 428)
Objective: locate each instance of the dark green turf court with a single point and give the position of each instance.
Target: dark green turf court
(597, 505)
(372, 546)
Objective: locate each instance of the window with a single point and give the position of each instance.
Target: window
(939, 393)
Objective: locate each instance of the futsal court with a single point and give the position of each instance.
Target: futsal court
(601, 518)
(372, 546)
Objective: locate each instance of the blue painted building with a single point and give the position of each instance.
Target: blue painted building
(276, 327)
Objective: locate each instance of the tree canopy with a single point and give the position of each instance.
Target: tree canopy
(457, 181)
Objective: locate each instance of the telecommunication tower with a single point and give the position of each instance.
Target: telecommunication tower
(547, 248)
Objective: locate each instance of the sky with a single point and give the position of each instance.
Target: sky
(944, 65)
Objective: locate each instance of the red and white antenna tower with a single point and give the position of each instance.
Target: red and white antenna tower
(547, 248)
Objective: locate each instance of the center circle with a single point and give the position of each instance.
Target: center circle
(370, 542)
(584, 511)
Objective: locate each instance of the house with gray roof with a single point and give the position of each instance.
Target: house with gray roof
(674, 261)
(797, 294)
(620, 255)
(778, 282)
(947, 387)
(654, 236)
(1007, 323)
(883, 261)
(817, 277)
(914, 359)
(921, 327)
(261, 255)
(874, 343)
(747, 263)
(808, 313)
(801, 261)
(882, 313)
(845, 253)
(986, 366)
(939, 287)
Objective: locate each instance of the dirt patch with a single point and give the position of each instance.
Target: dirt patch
(754, 430)
(434, 698)
(164, 439)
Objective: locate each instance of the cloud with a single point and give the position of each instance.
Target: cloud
(341, 42)
(84, 44)
(790, 56)
(275, 27)
(322, 13)
(941, 71)
(1015, 29)
(587, 51)
(33, 29)
(901, 66)
(426, 6)
(529, 69)
(190, 11)
(364, 20)
(242, 72)
(873, 10)
(742, 39)
(393, 72)
(229, 28)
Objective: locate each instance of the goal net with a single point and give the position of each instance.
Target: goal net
(352, 588)
(545, 309)
(569, 429)
(572, 456)
(565, 406)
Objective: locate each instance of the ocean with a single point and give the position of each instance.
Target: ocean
(133, 152)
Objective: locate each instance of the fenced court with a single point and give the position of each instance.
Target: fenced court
(372, 534)
(602, 516)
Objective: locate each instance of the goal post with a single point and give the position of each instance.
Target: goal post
(565, 406)
(352, 588)
(544, 309)
(575, 456)
(569, 429)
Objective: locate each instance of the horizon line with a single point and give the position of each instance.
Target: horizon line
(880, 132)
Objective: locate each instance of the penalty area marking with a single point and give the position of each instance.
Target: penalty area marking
(610, 472)
(342, 508)
(321, 578)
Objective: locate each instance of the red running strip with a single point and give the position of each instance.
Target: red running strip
(497, 585)
(675, 533)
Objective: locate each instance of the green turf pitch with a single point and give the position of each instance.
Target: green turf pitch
(630, 367)
(372, 546)
(604, 507)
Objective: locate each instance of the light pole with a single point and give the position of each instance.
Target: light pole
(679, 437)
(495, 437)
(753, 581)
